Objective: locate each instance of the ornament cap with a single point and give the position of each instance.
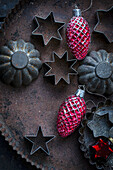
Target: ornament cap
(76, 12)
(80, 92)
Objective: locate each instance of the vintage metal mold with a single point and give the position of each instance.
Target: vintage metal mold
(96, 72)
(60, 69)
(90, 132)
(50, 24)
(105, 22)
(19, 63)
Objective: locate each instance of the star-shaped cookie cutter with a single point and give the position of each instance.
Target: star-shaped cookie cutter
(45, 34)
(39, 141)
(108, 34)
(64, 56)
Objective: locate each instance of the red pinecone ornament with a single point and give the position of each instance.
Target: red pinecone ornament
(71, 113)
(78, 35)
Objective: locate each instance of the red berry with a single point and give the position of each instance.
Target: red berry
(78, 35)
(70, 114)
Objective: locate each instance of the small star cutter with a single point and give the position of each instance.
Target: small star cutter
(52, 20)
(34, 138)
(49, 74)
(109, 38)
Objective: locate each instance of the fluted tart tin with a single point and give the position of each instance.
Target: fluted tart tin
(96, 72)
(98, 125)
(19, 63)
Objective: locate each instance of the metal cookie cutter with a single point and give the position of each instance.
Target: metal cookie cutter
(105, 23)
(48, 28)
(60, 65)
(39, 141)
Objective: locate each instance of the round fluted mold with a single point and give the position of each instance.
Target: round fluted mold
(87, 134)
(96, 72)
(19, 63)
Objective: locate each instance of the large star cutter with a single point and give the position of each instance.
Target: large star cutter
(39, 141)
(105, 23)
(58, 59)
(48, 34)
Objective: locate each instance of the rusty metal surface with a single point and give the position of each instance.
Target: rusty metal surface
(24, 109)
(5, 7)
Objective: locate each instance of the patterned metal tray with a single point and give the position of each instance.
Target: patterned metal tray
(24, 109)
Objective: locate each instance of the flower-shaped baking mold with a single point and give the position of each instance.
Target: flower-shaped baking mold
(48, 28)
(19, 63)
(96, 72)
(105, 23)
(103, 119)
(60, 68)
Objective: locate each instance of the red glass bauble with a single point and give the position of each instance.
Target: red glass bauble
(78, 37)
(70, 114)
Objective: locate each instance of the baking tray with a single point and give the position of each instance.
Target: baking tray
(24, 109)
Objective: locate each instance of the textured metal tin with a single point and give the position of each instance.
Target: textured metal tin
(98, 123)
(24, 109)
(96, 72)
(19, 63)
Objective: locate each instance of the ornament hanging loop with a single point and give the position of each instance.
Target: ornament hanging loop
(91, 3)
(77, 12)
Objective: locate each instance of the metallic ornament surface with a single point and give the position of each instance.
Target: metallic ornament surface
(78, 37)
(19, 63)
(70, 114)
(96, 72)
